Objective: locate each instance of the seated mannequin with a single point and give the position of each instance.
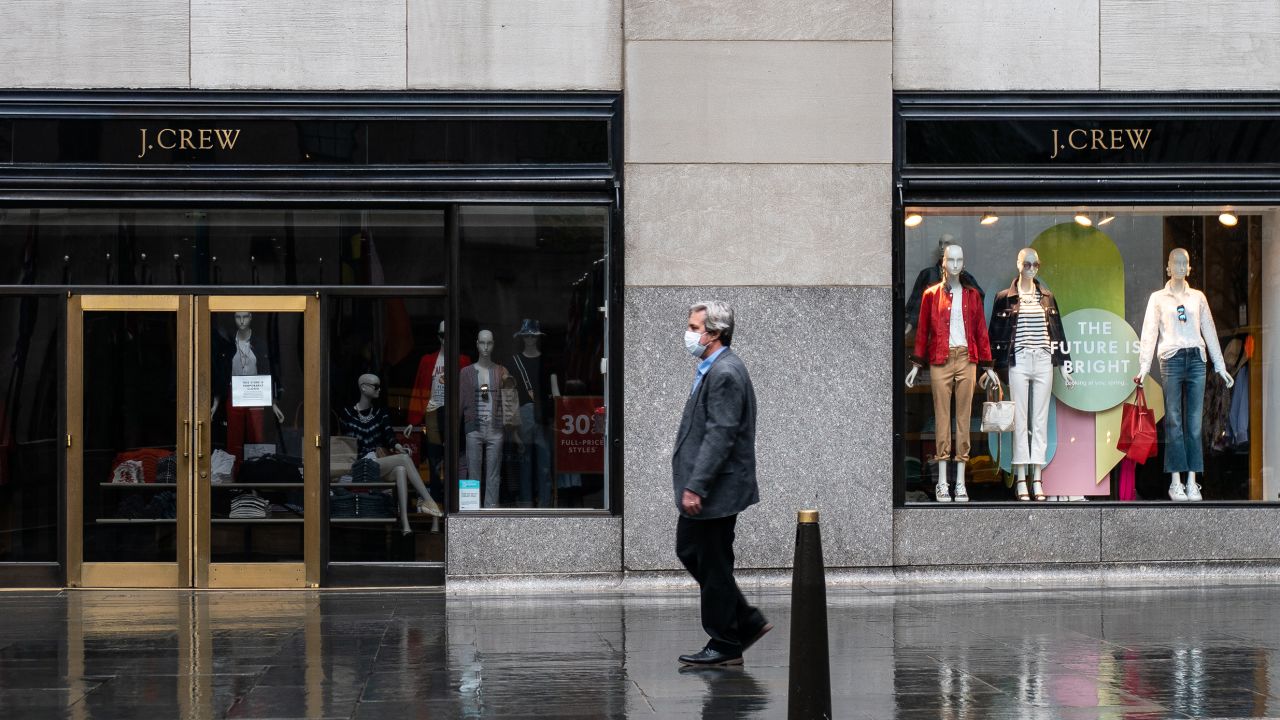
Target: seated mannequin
(376, 440)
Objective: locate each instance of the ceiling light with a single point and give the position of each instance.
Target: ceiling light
(1082, 219)
(1106, 220)
(989, 219)
(1228, 219)
(914, 219)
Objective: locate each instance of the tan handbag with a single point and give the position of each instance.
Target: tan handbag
(342, 455)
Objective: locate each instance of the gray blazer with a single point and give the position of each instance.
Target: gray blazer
(715, 453)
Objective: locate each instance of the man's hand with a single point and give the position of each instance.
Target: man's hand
(691, 503)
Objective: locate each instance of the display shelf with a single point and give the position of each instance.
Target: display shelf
(361, 486)
(138, 485)
(361, 520)
(135, 521)
(257, 521)
(233, 486)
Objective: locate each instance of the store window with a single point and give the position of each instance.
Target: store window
(1066, 306)
(222, 247)
(30, 328)
(531, 391)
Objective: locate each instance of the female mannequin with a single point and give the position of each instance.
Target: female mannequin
(1179, 327)
(480, 399)
(374, 436)
(529, 370)
(249, 357)
(1027, 340)
(951, 339)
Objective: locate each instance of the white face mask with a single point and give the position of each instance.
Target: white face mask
(691, 343)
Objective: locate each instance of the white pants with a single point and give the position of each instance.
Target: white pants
(1031, 388)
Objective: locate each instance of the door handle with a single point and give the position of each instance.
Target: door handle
(199, 439)
(186, 434)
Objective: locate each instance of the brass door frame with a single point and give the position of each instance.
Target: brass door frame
(126, 574)
(194, 439)
(209, 574)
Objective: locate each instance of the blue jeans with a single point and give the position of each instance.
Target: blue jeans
(1184, 375)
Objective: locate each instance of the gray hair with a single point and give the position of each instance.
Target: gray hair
(719, 318)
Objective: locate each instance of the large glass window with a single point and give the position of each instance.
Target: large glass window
(30, 328)
(221, 247)
(533, 336)
(1067, 306)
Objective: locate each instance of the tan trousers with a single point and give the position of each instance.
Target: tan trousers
(953, 380)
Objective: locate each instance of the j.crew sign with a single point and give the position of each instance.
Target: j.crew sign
(1096, 140)
(205, 139)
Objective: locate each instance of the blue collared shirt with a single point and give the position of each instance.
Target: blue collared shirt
(703, 367)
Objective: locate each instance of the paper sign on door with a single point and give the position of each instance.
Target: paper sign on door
(468, 494)
(251, 390)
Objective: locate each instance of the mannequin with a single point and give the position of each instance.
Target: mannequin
(1027, 340)
(480, 399)
(376, 440)
(427, 406)
(952, 341)
(931, 276)
(246, 355)
(529, 372)
(1179, 328)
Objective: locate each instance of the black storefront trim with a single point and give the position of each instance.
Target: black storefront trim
(996, 149)
(329, 150)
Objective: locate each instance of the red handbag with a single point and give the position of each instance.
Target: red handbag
(1137, 430)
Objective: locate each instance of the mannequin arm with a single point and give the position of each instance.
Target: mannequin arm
(911, 375)
(1137, 379)
(216, 401)
(278, 412)
(1067, 380)
(1226, 378)
(989, 379)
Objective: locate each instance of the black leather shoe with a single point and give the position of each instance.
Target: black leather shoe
(706, 657)
(759, 634)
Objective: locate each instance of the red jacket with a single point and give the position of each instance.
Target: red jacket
(933, 331)
(422, 385)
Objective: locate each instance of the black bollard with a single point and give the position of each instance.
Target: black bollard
(809, 696)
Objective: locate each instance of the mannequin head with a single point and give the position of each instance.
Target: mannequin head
(1028, 263)
(1179, 266)
(244, 321)
(484, 345)
(370, 386)
(530, 335)
(943, 242)
(952, 261)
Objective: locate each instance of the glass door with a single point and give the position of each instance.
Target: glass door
(193, 441)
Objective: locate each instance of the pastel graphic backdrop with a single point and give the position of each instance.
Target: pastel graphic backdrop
(1084, 269)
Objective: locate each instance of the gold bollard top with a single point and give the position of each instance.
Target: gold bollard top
(807, 517)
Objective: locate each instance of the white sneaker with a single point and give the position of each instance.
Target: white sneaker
(941, 494)
(962, 495)
(1176, 493)
(1193, 491)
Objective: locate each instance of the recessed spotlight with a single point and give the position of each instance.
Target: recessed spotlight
(989, 219)
(1106, 220)
(914, 219)
(1228, 219)
(1082, 219)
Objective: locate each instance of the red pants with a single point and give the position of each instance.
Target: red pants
(244, 424)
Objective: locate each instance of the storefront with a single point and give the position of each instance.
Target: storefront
(1085, 210)
(228, 330)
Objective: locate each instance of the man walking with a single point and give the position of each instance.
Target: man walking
(713, 470)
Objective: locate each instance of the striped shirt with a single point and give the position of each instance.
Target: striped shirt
(1032, 331)
(371, 431)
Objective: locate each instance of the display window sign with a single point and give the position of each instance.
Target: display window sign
(251, 390)
(469, 494)
(1070, 310)
(579, 434)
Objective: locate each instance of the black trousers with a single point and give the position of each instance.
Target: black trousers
(706, 549)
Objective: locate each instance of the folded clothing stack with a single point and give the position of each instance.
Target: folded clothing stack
(342, 503)
(365, 471)
(375, 505)
(249, 506)
(167, 469)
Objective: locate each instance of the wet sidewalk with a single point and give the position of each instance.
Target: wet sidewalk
(910, 652)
